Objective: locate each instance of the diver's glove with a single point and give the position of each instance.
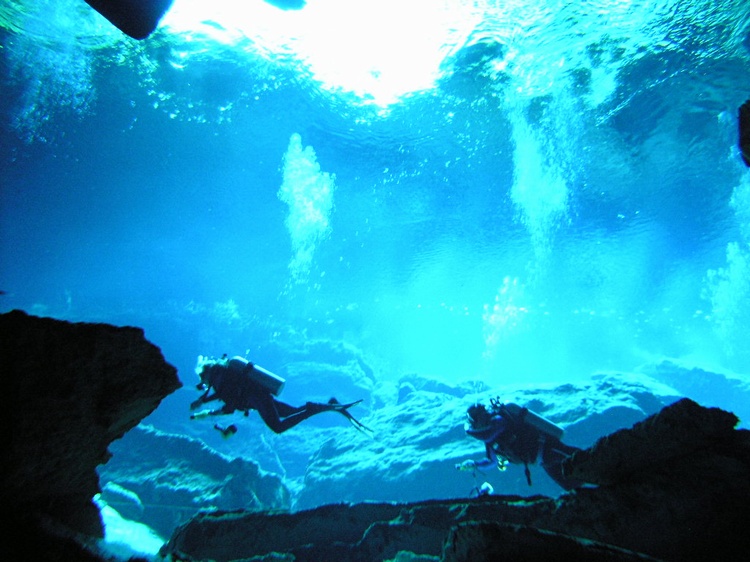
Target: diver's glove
(466, 465)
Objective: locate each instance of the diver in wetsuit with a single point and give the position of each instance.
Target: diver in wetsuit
(244, 386)
(517, 435)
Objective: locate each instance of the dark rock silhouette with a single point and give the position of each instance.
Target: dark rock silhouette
(71, 389)
(744, 132)
(136, 18)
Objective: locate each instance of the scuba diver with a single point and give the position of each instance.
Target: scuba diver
(517, 435)
(244, 386)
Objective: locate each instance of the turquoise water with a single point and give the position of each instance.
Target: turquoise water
(512, 191)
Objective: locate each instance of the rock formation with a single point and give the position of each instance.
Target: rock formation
(163, 480)
(70, 389)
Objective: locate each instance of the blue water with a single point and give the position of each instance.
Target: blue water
(516, 191)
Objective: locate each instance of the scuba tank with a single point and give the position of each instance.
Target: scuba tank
(273, 383)
(524, 415)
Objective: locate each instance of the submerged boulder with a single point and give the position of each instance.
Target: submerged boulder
(685, 429)
(71, 389)
(485, 541)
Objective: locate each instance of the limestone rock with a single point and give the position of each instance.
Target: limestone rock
(685, 428)
(174, 477)
(489, 542)
(70, 389)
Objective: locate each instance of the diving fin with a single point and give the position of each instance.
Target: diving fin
(343, 409)
(336, 405)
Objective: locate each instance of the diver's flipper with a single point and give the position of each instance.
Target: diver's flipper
(744, 127)
(336, 405)
(343, 409)
(137, 18)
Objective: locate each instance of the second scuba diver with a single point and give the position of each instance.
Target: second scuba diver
(517, 435)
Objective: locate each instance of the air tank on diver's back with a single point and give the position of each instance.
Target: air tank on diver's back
(264, 377)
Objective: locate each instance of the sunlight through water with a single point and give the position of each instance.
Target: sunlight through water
(516, 183)
(379, 51)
